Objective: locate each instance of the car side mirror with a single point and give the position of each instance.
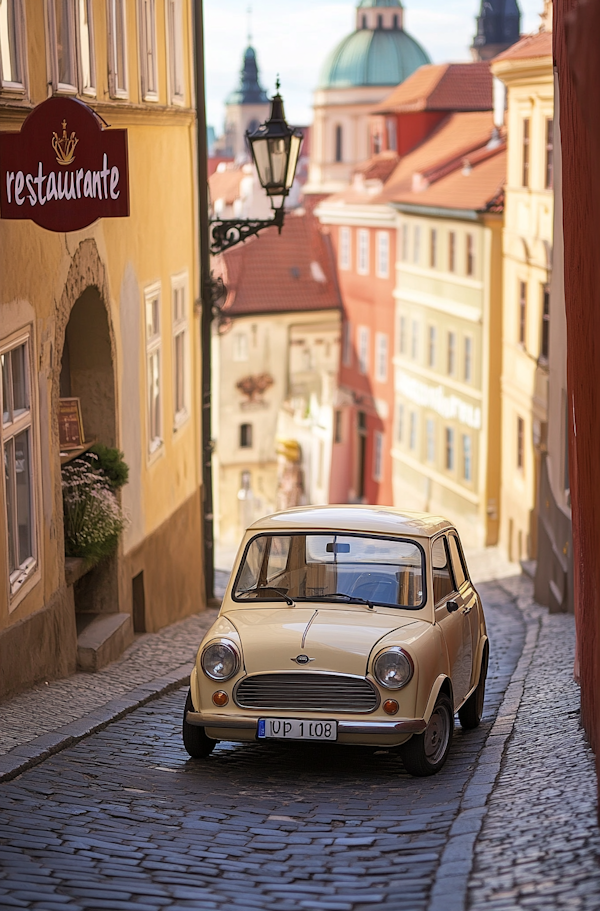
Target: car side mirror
(451, 606)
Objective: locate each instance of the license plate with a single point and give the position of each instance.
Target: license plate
(292, 729)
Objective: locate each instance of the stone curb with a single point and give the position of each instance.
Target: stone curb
(31, 754)
(449, 892)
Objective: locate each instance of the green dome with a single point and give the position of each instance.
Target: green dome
(379, 57)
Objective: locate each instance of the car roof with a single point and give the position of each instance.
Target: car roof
(369, 519)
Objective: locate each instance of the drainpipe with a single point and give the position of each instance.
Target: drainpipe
(206, 303)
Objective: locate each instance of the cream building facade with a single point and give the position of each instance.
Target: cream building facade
(104, 314)
(527, 72)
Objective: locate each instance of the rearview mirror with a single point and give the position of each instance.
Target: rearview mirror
(451, 606)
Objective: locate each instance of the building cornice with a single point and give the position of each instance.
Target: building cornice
(376, 216)
(436, 211)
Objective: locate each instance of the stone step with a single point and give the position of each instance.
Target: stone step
(101, 639)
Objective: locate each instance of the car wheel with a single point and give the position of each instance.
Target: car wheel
(470, 713)
(197, 744)
(426, 753)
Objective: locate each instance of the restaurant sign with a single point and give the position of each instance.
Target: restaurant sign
(64, 170)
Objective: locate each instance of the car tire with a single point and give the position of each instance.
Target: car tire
(197, 744)
(470, 713)
(425, 754)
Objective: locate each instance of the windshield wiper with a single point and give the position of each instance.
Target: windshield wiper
(267, 588)
(331, 596)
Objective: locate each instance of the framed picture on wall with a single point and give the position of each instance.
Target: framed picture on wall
(70, 425)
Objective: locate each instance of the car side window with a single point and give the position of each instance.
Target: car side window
(443, 582)
(278, 556)
(457, 563)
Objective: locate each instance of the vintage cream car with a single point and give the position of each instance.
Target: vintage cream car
(352, 624)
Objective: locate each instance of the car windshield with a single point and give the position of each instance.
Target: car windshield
(332, 567)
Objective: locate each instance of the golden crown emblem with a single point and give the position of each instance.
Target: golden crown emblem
(65, 146)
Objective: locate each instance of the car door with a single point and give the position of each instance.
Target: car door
(467, 595)
(454, 623)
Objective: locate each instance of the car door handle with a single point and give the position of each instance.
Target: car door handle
(467, 610)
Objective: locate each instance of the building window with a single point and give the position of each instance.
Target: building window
(525, 174)
(87, 63)
(377, 455)
(430, 440)
(417, 244)
(520, 443)
(383, 254)
(347, 345)
(402, 335)
(344, 248)
(431, 347)
(337, 427)
(470, 264)
(17, 452)
(245, 436)
(545, 340)
(451, 353)
(363, 349)
(148, 70)
(339, 149)
(433, 248)
(450, 448)
(400, 427)
(175, 50)
(404, 242)
(412, 437)
(362, 265)
(522, 312)
(180, 348)
(392, 139)
(414, 343)
(62, 41)
(381, 357)
(549, 181)
(12, 45)
(240, 346)
(452, 251)
(153, 367)
(468, 365)
(467, 462)
(117, 48)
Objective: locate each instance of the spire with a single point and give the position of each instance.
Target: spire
(498, 26)
(249, 90)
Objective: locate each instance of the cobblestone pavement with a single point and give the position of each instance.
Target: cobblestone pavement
(124, 819)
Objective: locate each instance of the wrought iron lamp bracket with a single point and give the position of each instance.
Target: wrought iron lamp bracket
(227, 232)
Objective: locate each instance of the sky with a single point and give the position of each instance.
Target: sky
(293, 38)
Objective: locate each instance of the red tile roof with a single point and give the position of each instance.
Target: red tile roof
(380, 167)
(273, 273)
(477, 185)
(225, 184)
(529, 46)
(442, 87)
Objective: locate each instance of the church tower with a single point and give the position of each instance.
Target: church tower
(498, 26)
(245, 108)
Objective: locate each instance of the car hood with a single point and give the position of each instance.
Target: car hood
(336, 639)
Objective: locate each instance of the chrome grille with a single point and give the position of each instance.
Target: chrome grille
(307, 693)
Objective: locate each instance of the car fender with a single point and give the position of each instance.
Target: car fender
(440, 681)
(483, 643)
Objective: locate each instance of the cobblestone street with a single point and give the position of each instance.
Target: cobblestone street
(124, 819)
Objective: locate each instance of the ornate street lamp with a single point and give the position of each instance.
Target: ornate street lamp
(275, 150)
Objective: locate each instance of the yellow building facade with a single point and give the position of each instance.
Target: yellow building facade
(526, 71)
(105, 314)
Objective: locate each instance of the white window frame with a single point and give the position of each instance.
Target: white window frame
(382, 265)
(468, 359)
(363, 343)
(362, 251)
(430, 432)
(344, 256)
(175, 52)
(63, 88)
(89, 6)
(451, 353)
(180, 317)
(378, 439)
(148, 53)
(240, 348)
(467, 448)
(25, 421)
(402, 334)
(381, 357)
(117, 35)
(17, 87)
(154, 347)
(417, 244)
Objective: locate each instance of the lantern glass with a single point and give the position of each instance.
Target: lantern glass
(279, 159)
(260, 150)
(295, 143)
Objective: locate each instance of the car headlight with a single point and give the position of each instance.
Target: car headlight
(393, 668)
(220, 660)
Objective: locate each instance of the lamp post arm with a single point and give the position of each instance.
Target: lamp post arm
(227, 232)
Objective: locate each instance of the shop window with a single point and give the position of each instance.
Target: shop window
(17, 454)
(148, 69)
(175, 49)
(180, 348)
(153, 367)
(245, 436)
(117, 48)
(12, 46)
(381, 357)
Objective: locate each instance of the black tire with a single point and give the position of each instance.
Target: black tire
(197, 744)
(425, 754)
(471, 712)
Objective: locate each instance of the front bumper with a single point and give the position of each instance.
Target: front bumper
(399, 726)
